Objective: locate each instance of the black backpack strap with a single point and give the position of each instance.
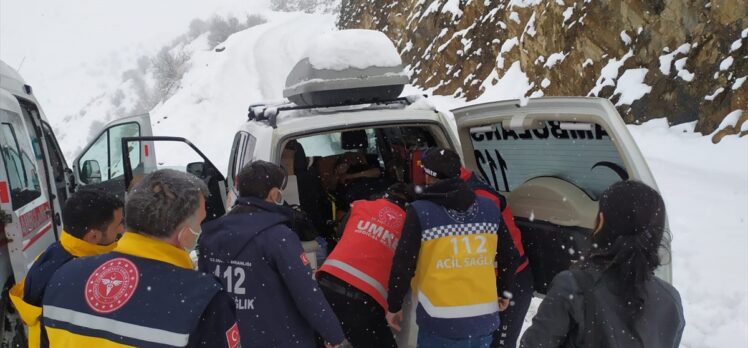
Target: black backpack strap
(586, 283)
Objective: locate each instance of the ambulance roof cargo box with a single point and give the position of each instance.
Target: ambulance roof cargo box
(347, 67)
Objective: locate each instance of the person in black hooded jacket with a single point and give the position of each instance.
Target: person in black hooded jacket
(260, 262)
(614, 299)
(449, 242)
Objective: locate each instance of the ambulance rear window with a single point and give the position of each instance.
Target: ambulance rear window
(585, 158)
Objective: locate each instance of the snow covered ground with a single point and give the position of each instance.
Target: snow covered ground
(705, 185)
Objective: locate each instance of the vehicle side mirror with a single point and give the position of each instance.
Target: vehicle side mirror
(91, 172)
(196, 168)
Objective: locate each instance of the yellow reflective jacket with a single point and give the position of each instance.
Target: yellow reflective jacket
(30, 313)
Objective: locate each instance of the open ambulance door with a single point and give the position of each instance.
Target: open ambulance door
(100, 164)
(178, 154)
(552, 159)
(26, 219)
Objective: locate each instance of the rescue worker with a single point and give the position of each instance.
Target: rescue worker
(92, 220)
(260, 260)
(146, 292)
(354, 277)
(449, 242)
(513, 317)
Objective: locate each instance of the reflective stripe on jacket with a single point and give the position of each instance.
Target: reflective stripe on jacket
(363, 257)
(455, 276)
(27, 294)
(143, 294)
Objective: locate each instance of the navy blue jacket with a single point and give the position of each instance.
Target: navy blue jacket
(159, 305)
(42, 270)
(260, 261)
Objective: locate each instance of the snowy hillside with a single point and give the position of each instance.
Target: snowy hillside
(705, 185)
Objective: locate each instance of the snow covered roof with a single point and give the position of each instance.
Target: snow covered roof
(353, 48)
(344, 67)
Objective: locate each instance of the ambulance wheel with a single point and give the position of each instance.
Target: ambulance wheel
(12, 332)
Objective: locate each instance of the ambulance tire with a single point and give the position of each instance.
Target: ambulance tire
(12, 331)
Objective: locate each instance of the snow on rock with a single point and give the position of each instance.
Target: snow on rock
(352, 48)
(631, 86)
(433, 8)
(680, 66)
(625, 38)
(736, 45)
(726, 63)
(609, 73)
(453, 6)
(514, 84)
(507, 46)
(554, 59)
(714, 95)
(587, 62)
(530, 27)
(666, 60)
(738, 82)
(731, 120)
(524, 3)
(567, 14)
(545, 83)
(514, 17)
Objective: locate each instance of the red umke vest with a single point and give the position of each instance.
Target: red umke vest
(363, 257)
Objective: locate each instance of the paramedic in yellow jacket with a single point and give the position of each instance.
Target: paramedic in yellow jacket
(92, 221)
(448, 247)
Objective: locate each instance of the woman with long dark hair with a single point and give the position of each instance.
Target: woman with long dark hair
(613, 298)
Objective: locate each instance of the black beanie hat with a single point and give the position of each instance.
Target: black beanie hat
(441, 163)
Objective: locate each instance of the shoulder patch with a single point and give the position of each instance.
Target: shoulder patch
(111, 285)
(232, 336)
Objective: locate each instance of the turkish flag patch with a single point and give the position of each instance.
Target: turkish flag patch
(232, 336)
(304, 259)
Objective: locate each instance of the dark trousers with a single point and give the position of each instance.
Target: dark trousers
(361, 317)
(513, 317)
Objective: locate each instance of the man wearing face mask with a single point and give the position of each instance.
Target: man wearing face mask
(146, 292)
(260, 261)
(92, 221)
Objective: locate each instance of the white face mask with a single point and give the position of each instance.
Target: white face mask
(197, 236)
(280, 197)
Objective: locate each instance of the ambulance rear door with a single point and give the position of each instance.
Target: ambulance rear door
(552, 158)
(100, 164)
(27, 222)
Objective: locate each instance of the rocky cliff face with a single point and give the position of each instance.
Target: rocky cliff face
(684, 60)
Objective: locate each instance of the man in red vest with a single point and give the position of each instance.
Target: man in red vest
(354, 277)
(513, 317)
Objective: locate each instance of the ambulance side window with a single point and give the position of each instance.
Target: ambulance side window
(19, 164)
(242, 152)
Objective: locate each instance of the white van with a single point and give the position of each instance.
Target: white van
(551, 157)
